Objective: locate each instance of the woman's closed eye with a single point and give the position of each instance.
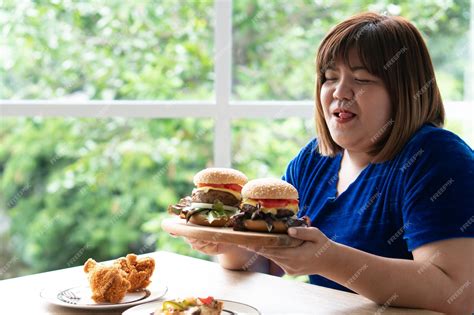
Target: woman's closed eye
(360, 80)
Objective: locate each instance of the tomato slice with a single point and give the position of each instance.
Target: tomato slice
(233, 187)
(275, 203)
(206, 301)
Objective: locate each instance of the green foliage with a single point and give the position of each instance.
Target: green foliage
(264, 147)
(106, 49)
(276, 42)
(77, 188)
(164, 49)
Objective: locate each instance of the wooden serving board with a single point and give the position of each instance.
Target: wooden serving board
(179, 227)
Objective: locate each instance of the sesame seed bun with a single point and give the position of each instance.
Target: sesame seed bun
(269, 188)
(218, 175)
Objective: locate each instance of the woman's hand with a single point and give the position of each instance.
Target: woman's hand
(209, 248)
(311, 257)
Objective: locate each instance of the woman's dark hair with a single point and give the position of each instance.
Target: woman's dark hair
(391, 48)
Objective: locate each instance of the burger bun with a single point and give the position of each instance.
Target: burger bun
(220, 175)
(200, 219)
(269, 188)
(261, 226)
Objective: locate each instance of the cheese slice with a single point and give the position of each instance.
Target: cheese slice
(206, 189)
(210, 205)
(253, 202)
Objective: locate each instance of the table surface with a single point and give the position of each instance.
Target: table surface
(186, 276)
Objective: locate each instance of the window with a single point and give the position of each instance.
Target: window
(114, 50)
(109, 110)
(275, 43)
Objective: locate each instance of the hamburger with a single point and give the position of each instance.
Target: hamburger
(215, 198)
(268, 205)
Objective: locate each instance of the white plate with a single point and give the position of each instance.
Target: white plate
(80, 297)
(230, 307)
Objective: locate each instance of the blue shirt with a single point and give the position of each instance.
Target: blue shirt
(424, 194)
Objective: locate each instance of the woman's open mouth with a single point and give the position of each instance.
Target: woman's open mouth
(343, 116)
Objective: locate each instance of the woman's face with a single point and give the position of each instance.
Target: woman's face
(356, 105)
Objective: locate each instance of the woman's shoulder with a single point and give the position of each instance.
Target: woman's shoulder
(311, 147)
(307, 165)
(437, 142)
(434, 150)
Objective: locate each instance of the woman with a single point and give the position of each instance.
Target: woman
(387, 190)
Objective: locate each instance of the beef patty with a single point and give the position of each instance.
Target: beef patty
(212, 195)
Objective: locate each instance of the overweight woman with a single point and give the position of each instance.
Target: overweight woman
(388, 191)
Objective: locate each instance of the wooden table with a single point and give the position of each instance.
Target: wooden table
(186, 276)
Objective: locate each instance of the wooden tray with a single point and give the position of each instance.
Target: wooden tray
(179, 227)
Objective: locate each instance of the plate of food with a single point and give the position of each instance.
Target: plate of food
(191, 305)
(225, 207)
(123, 283)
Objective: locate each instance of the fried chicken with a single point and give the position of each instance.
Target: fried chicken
(138, 270)
(111, 283)
(108, 283)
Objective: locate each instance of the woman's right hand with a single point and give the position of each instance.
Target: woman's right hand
(210, 248)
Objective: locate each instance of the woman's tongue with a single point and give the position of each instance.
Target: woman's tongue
(346, 115)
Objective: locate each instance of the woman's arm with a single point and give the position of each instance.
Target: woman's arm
(439, 278)
(233, 257)
(236, 258)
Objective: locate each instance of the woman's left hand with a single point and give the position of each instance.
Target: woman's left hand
(311, 257)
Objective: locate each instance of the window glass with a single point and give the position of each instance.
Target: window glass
(106, 50)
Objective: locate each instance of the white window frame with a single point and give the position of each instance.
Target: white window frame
(222, 109)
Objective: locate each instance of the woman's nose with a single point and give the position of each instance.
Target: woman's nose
(343, 91)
